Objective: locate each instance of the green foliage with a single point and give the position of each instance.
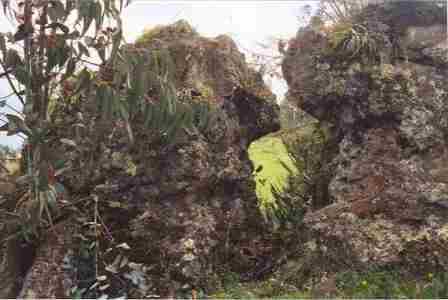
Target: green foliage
(270, 288)
(304, 188)
(270, 156)
(391, 284)
(46, 63)
(354, 41)
(378, 284)
(289, 172)
(132, 87)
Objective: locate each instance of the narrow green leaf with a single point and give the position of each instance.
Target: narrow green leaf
(64, 54)
(69, 6)
(116, 41)
(83, 81)
(12, 58)
(124, 111)
(56, 11)
(61, 26)
(3, 44)
(96, 12)
(83, 50)
(85, 14)
(21, 75)
(71, 67)
(148, 115)
(101, 53)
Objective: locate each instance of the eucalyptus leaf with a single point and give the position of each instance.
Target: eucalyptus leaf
(83, 50)
(97, 13)
(71, 67)
(85, 14)
(3, 44)
(56, 11)
(61, 26)
(12, 58)
(83, 81)
(64, 54)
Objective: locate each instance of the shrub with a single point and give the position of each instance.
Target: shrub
(306, 187)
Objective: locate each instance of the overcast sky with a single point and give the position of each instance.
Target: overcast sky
(247, 22)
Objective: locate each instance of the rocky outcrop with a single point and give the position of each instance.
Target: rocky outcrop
(211, 66)
(169, 215)
(387, 111)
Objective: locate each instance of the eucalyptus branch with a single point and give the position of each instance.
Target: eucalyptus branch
(41, 55)
(27, 24)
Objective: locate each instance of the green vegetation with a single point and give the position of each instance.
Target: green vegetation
(269, 288)
(287, 166)
(390, 284)
(361, 285)
(270, 154)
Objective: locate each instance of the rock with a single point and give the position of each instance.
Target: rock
(388, 190)
(185, 209)
(52, 274)
(211, 66)
(7, 188)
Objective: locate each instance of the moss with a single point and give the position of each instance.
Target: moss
(372, 283)
(179, 28)
(390, 284)
(270, 288)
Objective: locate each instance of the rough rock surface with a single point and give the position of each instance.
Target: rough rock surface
(389, 190)
(180, 211)
(213, 66)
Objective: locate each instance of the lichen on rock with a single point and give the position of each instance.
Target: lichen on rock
(184, 208)
(389, 118)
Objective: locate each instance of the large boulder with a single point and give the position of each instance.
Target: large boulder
(387, 111)
(173, 214)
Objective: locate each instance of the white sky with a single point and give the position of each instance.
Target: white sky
(247, 22)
